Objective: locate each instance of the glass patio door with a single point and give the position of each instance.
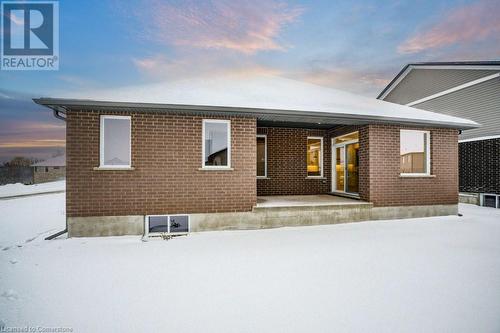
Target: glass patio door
(346, 164)
(352, 168)
(340, 168)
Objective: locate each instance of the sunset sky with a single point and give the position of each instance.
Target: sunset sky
(354, 46)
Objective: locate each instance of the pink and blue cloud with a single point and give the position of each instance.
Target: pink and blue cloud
(352, 45)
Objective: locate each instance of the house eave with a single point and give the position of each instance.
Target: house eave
(313, 117)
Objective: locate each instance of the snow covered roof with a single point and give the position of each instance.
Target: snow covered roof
(269, 98)
(54, 161)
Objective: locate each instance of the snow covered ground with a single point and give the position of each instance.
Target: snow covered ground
(434, 274)
(21, 189)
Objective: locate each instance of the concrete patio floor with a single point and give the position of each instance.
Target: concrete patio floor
(305, 200)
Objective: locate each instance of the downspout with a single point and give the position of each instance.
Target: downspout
(57, 113)
(56, 110)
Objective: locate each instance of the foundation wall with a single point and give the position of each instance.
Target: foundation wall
(259, 218)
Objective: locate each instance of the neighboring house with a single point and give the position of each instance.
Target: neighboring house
(412, 162)
(462, 89)
(49, 170)
(222, 151)
(217, 158)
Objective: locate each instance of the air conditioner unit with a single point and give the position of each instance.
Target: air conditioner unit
(165, 226)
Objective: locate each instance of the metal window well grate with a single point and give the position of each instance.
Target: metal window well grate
(490, 200)
(165, 226)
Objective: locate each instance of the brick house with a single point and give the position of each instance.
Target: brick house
(50, 170)
(462, 89)
(290, 154)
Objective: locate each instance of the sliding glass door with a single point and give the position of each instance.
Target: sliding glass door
(339, 168)
(352, 168)
(345, 152)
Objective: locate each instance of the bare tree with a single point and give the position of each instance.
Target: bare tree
(20, 161)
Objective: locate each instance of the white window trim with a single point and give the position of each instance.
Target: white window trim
(101, 145)
(427, 155)
(216, 167)
(265, 154)
(320, 156)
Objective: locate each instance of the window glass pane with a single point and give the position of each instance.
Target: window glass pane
(116, 141)
(313, 157)
(261, 156)
(339, 168)
(352, 167)
(216, 144)
(413, 151)
(158, 224)
(347, 137)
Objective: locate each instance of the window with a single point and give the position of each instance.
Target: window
(115, 141)
(216, 144)
(314, 157)
(261, 156)
(415, 152)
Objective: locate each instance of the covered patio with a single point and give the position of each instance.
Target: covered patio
(295, 210)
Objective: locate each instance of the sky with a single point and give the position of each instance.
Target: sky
(357, 46)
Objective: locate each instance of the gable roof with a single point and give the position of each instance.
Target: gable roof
(268, 98)
(54, 161)
(463, 65)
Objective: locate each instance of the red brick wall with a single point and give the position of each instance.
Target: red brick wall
(287, 164)
(166, 155)
(387, 188)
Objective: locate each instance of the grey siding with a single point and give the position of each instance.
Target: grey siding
(480, 103)
(420, 83)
